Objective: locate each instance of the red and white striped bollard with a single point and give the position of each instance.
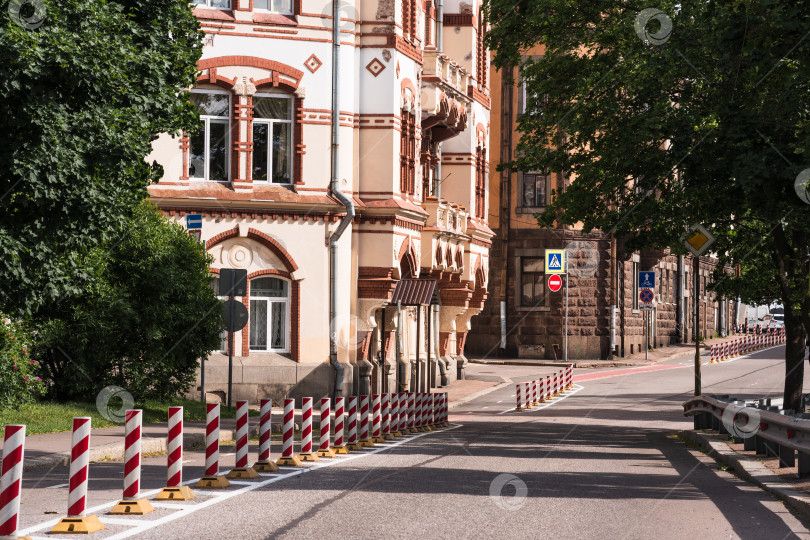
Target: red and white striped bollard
(354, 444)
(326, 415)
(306, 431)
(11, 480)
(340, 417)
(77, 520)
(174, 490)
(131, 504)
(264, 464)
(376, 418)
(288, 457)
(242, 431)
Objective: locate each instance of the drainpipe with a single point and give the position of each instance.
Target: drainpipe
(439, 359)
(347, 202)
(440, 49)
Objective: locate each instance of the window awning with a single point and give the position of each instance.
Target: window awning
(416, 292)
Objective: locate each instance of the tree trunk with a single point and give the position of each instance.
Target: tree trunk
(794, 361)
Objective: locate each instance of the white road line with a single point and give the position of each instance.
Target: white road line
(140, 525)
(501, 401)
(746, 355)
(555, 400)
(57, 486)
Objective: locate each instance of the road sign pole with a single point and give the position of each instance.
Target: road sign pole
(565, 338)
(230, 341)
(646, 334)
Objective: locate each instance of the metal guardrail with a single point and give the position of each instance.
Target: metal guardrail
(761, 424)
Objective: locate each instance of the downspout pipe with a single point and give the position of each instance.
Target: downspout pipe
(439, 359)
(346, 201)
(440, 48)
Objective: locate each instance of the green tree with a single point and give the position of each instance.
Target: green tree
(148, 317)
(82, 96)
(692, 112)
(19, 372)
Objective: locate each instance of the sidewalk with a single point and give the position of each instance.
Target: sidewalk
(654, 356)
(107, 444)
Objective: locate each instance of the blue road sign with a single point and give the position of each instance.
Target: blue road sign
(646, 280)
(193, 221)
(555, 261)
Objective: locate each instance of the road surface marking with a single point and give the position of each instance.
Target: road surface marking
(554, 400)
(57, 486)
(140, 525)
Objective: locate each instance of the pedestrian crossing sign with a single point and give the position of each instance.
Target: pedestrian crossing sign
(555, 261)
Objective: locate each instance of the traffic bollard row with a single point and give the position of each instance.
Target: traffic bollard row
(532, 393)
(392, 416)
(745, 345)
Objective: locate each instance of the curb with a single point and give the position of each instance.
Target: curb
(476, 395)
(750, 470)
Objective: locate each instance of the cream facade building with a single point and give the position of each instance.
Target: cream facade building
(413, 127)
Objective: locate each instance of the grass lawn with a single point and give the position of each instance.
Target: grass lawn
(51, 417)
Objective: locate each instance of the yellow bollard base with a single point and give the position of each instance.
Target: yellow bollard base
(132, 507)
(213, 482)
(243, 473)
(388, 436)
(181, 493)
(78, 525)
(308, 456)
(328, 453)
(379, 439)
(355, 446)
(518, 409)
(367, 443)
(265, 466)
(290, 461)
(397, 434)
(341, 449)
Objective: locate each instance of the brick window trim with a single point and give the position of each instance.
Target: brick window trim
(295, 314)
(266, 240)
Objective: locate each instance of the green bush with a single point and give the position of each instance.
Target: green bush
(19, 373)
(148, 318)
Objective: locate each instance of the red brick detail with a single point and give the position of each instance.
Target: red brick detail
(250, 61)
(460, 19)
(400, 44)
(275, 247)
(375, 282)
(479, 96)
(298, 141)
(461, 337)
(407, 83)
(363, 344)
(221, 237)
(390, 339)
(444, 342)
(185, 145)
(295, 321)
(219, 80)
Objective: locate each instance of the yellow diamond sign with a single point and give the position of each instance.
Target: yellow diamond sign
(697, 240)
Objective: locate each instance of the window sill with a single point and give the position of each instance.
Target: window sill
(532, 308)
(530, 209)
(214, 14)
(274, 18)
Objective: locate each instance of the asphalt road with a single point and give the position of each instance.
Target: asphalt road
(601, 463)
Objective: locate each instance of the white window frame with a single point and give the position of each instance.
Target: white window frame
(207, 4)
(270, 122)
(270, 300)
(274, 11)
(206, 119)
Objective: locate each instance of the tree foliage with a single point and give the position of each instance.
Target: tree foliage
(143, 324)
(707, 123)
(82, 96)
(19, 372)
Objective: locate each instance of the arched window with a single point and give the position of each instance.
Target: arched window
(269, 314)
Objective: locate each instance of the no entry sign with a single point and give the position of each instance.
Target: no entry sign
(554, 282)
